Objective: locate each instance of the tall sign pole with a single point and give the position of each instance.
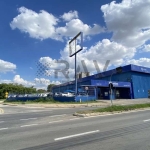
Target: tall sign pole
(76, 84)
(77, 38)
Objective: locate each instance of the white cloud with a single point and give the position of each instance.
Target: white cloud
(70, 15)
(17, 79)
(129, 21)
(38, 83)
(147, 48)
(76, 25)
(101, 52)
(6, 66)
(141, 62)
(42, 82)
(44, 25)
(39, 25)
(52, 67)
(5, 81)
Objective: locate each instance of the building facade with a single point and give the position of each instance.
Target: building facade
(129, 82)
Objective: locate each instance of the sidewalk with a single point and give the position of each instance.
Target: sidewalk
(99, 103)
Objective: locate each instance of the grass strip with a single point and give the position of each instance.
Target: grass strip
(116, 108)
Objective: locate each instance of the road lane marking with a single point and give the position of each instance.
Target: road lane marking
(29, 119)
(3, 128)
(58, 115)
(1, 121)
(56, 121)
(74, 118)
(28, 125)
(76, 135)
(146, 120)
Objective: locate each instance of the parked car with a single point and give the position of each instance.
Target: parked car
(68, 94)
(57, 94)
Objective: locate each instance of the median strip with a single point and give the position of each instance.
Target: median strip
(112, 109)
(75, 135)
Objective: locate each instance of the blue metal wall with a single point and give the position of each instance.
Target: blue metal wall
(141, 84)
(121, 77)
(137, 75)
(63, 88)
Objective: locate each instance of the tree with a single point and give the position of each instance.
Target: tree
(15, 89)
(49, 87)
(41, 91)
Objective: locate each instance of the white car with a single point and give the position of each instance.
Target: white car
(67, 94)
(58, 94)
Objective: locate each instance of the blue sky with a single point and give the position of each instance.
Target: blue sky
(39, 31)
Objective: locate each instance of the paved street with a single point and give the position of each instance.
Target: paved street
(53, 129)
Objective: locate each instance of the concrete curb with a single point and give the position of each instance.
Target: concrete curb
(108, 113)
(78, 115)
(1, 111)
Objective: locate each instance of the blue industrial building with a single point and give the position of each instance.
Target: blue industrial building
(129, 82)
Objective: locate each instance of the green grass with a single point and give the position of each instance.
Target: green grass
(115, 108)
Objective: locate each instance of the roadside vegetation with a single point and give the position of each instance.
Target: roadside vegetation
(14, 88)
(18, 89)
(116, 108)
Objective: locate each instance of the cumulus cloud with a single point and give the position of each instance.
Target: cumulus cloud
(101, 52)
(42, 83)
(147, 48)
(45, 82)
(6, 66)
(70, 15)
(129, 21)
(44, 25)
(38, 83)
(39, 25)
(76, 25)
(141, 62)
(17, 79)
(6, 81)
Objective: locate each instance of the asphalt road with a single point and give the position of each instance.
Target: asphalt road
(55, 129)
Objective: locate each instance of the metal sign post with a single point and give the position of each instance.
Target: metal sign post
(86, 88)
(76, 85)
(110, 87)
(78, 37)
